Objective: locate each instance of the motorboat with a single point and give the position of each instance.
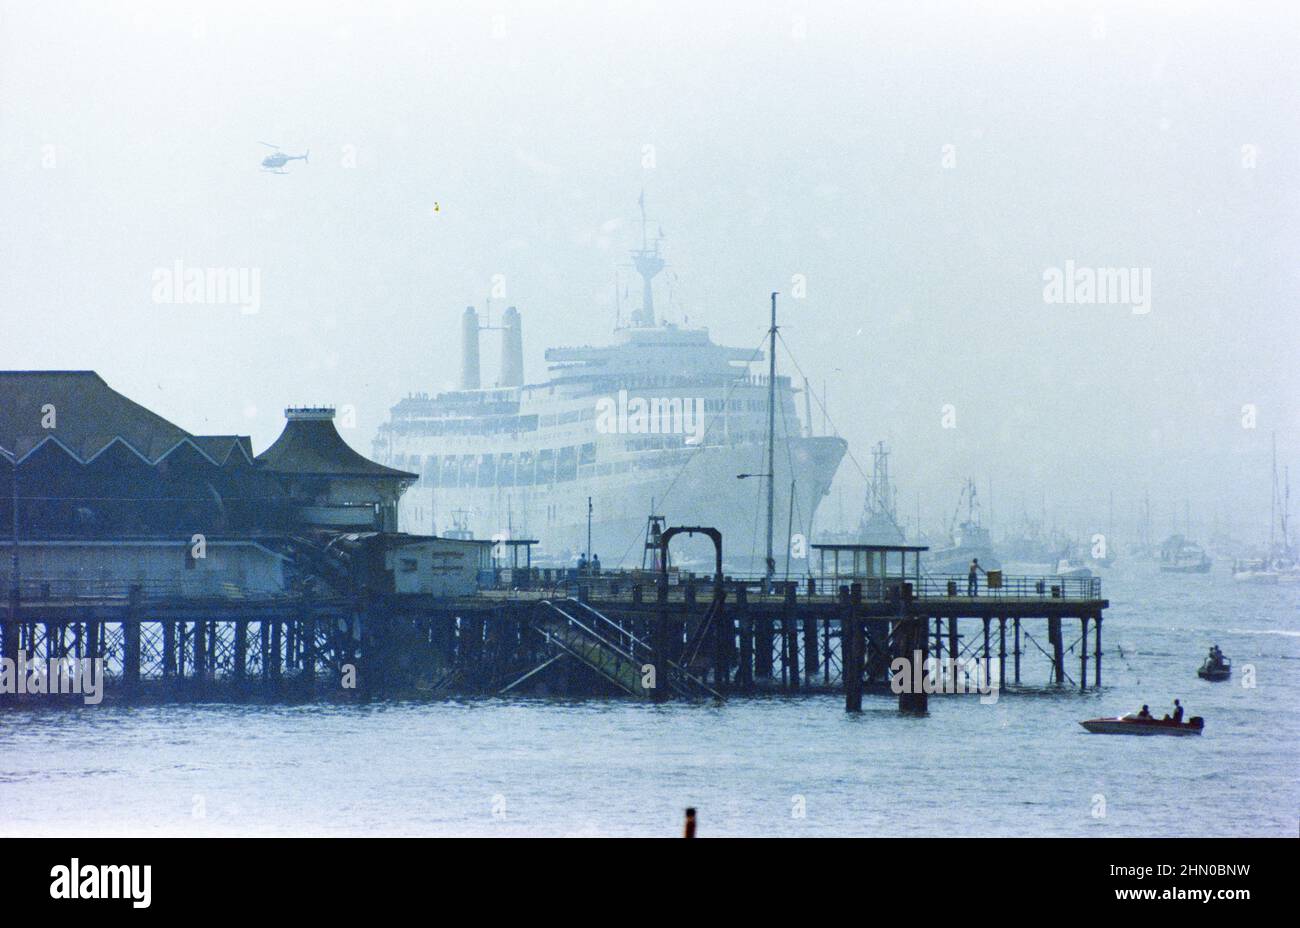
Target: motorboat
(1215, 671)
(1132, 725)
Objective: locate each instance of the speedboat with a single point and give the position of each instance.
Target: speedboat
(1213, 672)
(1132, 725)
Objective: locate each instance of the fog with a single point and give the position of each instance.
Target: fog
(923, 167)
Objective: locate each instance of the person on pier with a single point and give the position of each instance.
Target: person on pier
(972, 577)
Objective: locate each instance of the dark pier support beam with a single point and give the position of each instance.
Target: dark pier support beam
(1017, 651)
(274, 658)
(790, 634)
(90, 641)
(309, 652)
(264, 644)
(987, 655)
(200, 653)
(308, 637)
(745, 669)
(724, 636)
(1002, 652)
(1096, 656)
(1058, 649)
(1083, 656)
(131, 640)
(954, 643)
(763, 647)
(912, 643)
(810, 640)
(660, 642)
(9, 647)
(851, 646)
(169, 649)
(241, 651)
(826, 652)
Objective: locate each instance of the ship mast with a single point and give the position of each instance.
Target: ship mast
(771, 444)
(648, 263)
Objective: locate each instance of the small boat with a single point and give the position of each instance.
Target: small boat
(1257, 575)
(1132, 725)
(1213, 672)
(1072, 567)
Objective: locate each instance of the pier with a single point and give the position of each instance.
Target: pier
(632, 634)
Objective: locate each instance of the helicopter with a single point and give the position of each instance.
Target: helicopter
(276, 161)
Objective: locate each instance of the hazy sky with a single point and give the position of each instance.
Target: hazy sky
(787, 139)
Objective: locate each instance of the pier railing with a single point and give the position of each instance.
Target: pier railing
(616, 585)
(63, 589)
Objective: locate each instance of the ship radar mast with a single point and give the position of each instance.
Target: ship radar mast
(648, 263)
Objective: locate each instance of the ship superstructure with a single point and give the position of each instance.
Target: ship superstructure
(661, 417)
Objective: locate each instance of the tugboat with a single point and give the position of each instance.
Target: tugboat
(1131, 724)
(1216, 668)
(970, 540)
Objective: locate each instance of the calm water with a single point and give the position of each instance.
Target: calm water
(1020, 767)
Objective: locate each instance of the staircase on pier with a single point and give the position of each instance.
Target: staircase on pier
(573, 629)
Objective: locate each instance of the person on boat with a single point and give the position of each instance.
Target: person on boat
(1145, 713)
(972, 577)
(1178, 711)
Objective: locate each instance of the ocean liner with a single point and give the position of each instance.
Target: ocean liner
(662, 421)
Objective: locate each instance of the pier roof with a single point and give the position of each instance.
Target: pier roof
(88, 416)
(310, 444)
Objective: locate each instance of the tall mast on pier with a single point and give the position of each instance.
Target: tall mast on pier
(770, 567)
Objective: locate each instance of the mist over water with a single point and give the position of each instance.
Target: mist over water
(1022, 766)
(1049, 248)
(921, 167)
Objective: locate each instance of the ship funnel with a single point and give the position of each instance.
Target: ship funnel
(512, 350)
(469, 377)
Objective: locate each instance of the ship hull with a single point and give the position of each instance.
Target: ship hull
(695, 487)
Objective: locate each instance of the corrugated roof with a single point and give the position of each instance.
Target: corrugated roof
(314, 446)
(88, 416)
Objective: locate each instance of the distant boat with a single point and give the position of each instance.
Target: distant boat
(1071, 567)
(1215, 671)
(1180, 556)
(1132, 725)
(970, 541)
(1257, 571)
